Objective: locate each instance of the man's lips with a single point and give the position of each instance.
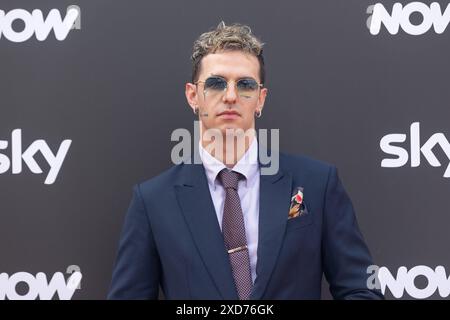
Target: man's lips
(228, 114)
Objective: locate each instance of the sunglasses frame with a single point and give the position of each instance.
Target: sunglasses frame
(260, 85)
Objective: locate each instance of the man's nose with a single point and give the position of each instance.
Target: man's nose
(230, 94)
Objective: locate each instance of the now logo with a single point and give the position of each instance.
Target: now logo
(426, 149)
(34, 23)
(382, 278)
(432, 16)
(18, 156)
(38, 286)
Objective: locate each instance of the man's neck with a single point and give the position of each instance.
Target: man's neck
(231, 150)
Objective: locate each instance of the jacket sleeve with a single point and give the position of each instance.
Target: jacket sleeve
(344, 252)
(137, 268)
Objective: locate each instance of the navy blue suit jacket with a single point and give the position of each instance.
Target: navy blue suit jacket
(171, 239)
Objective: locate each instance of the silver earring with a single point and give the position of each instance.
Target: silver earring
(258, 113)
(196, 110)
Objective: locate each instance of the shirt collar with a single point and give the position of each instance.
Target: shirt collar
(247, 165)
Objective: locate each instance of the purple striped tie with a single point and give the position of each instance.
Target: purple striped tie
(233, 230)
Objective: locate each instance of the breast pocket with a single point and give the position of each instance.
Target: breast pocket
(300, 221)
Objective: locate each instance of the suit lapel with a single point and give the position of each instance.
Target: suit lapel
(274, 202)
(196, 204)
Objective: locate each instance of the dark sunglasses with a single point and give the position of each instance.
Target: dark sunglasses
(243, 86)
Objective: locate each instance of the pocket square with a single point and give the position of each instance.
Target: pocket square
(297, 207)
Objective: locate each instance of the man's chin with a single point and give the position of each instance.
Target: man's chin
(229, 127)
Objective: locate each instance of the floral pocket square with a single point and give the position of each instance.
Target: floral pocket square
(297, 207)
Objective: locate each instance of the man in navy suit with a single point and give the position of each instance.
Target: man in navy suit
(293, 226)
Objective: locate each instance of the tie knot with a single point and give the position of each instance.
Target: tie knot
(229, 179)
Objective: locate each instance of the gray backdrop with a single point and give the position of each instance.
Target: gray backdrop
(116, 89)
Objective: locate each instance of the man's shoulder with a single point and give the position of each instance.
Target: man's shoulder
(305, 163)
(163, 180)
(306, 170)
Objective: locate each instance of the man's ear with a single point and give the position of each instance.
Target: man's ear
(191, 95)
(262, 98)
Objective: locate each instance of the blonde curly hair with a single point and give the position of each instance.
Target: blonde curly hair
(233, 37)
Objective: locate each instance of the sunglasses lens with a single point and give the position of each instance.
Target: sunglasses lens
(247, 87)
(215, 84)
